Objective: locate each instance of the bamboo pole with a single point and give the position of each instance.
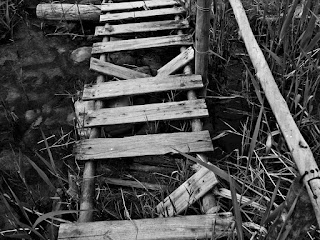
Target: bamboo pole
(299, 148)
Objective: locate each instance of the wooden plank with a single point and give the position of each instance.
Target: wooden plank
(178, 62)
(110, 30)
(109, 7)
(134, 184)
(141, 86)
(109, 17)
(145, 113)
(114, 70)
(187, 193)
(176, 228)
(140, 43)
(143, 145)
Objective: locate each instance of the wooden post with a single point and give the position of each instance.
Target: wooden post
(202, 41)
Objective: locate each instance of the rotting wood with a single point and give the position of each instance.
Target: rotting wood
(114, 70)
(141, 43)
(141, 14)
(300, 151)
(178, 62)
(181, 228)
(147, 113)
(110, 7)
(143, 145)
(137, 86)
(134, 184)
(68, 12)
(140, 27)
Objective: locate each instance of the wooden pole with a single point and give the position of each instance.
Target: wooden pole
(202, 41)
(300, 151)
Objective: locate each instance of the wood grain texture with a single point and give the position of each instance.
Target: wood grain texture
(114, 70)
(111, 17)
(110, 7)
(134, 184)
(141, 43)
(141, 86)
(176, 228)
(143, 145)
(147, 113)
(128, 28)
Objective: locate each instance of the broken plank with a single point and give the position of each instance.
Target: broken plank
(187, 193)
(134, 184)
(109, 7)
(114, 70)
(141, 14)
(180, 228)
(141, 43)
(178, 62)
(147, 113)
(143, 145)
(109, 30)
(141, 86)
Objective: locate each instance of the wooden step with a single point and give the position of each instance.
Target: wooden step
(182, 228)
(111, 17)
(143, 145)
(141, 86)
(141, 43)
(110, 30)
(109, 7)
(145, 113)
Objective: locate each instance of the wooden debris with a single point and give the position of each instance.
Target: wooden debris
(143, 145)
(182, 228)
(141, 86)
(141, 43)
(109, 7)
(134, 184)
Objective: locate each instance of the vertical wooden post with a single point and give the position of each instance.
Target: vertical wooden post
(202, 41)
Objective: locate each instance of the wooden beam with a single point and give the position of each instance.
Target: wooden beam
(178, 62)
(177, 228)
(109, 7)
(147, 113)
(141, 86)
(109, 17)
(143, 145)
(141, 43)
(114, 70)
(134, 184)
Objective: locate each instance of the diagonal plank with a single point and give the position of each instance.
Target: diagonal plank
(182, 228)
(141, 43)
(114, 70)
(110, 30)
(109, 7)
(178, 62)
(145, 113)
(141, 86)
(143, 145)
(141, 14)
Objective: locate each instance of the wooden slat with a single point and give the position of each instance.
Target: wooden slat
(178, 62)
(109, 7)
(134, 184)
(187, 193)
(145, 113)
(114, 70)
(141, 86)
(141, 14)
(176, 228)
(140, 43)
(143, 145)
(110, 30)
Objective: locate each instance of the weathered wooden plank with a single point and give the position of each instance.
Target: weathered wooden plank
(110, 30)
(178, 62)
(141, 86)
(109, 17)
(134, 184)
(109, 7)
(187, 193)
(145, 113)
(115, 70)
(140, 43)
(143, 145)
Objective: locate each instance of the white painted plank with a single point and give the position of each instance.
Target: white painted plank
(109, 7)
(143, 145)
(141, 86)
